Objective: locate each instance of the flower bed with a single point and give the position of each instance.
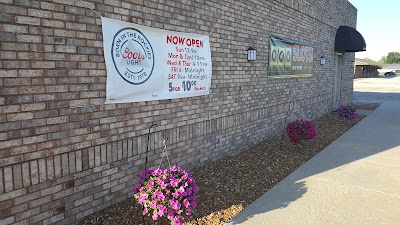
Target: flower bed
(228, 185)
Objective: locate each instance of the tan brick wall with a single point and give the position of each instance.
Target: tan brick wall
(60, 163)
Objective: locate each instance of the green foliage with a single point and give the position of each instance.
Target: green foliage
(382, 60)
(392, 57)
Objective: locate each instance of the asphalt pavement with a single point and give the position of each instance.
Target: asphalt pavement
(378, 89)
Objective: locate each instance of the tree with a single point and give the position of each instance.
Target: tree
(393, 57)
(382, 60)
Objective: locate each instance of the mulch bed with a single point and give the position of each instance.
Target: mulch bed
(230, 184)
(366, 106)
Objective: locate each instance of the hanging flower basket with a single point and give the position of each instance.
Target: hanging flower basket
(299, 130)
(166, 193)
(347, 112)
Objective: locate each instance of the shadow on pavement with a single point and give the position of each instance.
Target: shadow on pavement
(284, 196)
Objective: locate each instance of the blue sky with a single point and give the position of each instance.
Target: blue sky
(379, 23)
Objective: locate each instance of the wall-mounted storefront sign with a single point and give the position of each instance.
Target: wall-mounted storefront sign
(145, 64)
(290, 58)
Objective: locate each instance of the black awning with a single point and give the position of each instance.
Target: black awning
(349, 40)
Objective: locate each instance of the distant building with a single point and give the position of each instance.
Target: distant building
(366, 68)
(390, 67)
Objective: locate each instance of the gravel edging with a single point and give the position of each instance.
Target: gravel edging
(230, 184)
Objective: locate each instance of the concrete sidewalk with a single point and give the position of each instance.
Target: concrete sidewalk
(355, 180)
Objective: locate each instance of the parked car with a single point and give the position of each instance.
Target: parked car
(391, 73)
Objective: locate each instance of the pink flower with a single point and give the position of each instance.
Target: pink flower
(141, 201)
(347, 112)
(175, 195)
(160, 196)
(159, 181)
(177, 220)
(185, 176)
(174, 204)
(144, 196)
(300, 129)
(181, 190)
(161, 210)
(153, 204)
(170, 215)
(174, 182)
(166, 193)
(188, 191)
(145, 211)
(186, 202)
(157, 172)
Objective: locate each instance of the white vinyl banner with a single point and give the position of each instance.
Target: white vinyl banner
(145, 63)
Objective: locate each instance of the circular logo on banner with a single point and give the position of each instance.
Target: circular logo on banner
(274, 55)
(281, 56)
(288, 55)
(132, 55)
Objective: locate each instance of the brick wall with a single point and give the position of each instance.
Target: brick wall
(65, 155)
